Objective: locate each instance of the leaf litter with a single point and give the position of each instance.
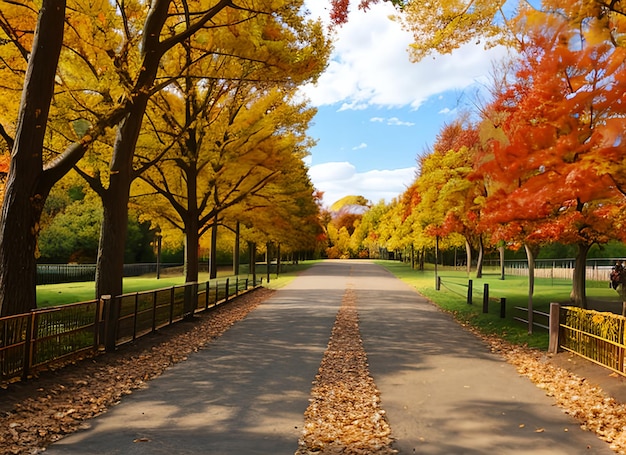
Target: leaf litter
(344, 415)
(35, 413)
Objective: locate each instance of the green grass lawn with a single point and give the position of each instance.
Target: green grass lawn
(452, 297)
(64, 293)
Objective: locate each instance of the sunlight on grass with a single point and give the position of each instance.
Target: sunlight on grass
(64, 293)
(453, 298)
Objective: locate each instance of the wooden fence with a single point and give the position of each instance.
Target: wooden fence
(594, 335)
(594, 273)
(49, 335)
(468, 291)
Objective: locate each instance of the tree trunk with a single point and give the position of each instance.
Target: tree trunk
(481, 257)
(110, 262)
(268, 261)
(26, 191)
(191, 217)
(213, 253)
(501, 250)
(468, 254)
(436, 260)
(579, 293)
(192, 240)
(252, 261)
(236, 250)
(531, 253)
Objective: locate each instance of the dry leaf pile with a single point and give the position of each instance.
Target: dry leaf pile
(38, 412)
(589, 404)
(344, 415)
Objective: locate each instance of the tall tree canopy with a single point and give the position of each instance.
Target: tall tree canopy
(110, 65)
(554, 127)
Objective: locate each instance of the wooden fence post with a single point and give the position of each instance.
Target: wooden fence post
(469, 292)
(503, 307)
(555, 312)
(438, 284)
(486, 298)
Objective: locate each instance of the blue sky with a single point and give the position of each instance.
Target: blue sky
(377, 111)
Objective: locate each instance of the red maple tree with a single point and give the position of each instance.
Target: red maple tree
(555, 126)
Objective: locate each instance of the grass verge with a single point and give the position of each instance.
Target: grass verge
(61, 294)
(452, 297)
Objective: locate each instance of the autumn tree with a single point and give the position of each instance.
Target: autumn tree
(442, 26)
(553, 127)
(252, 32)
(367, 230)
(33, 169)
(341, 8)
(286, 212)
(242, 142)
(344, 217)
(448, 190)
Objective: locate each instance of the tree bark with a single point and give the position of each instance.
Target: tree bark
(192, 236)
(26, 188)
(236, 250)
(579, 279)
(110, 262)
(252, 261)
(531, 254)
(468, 254)
(192, 240)
(213, 254)
(501, 250)
(481, 258)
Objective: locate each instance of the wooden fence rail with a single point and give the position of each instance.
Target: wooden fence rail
(594, 335)
(45, 336)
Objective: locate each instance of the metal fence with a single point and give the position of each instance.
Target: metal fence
(71, 273)
(31, 341)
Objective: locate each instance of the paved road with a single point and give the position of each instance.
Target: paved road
(443, 391)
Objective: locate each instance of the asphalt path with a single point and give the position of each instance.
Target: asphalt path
(444, 392)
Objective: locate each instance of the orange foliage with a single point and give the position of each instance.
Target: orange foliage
(5, 160)
(562, 117)
(454, 136)
(340, 9)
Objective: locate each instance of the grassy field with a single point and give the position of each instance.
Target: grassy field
(452, 297)
(64, 293)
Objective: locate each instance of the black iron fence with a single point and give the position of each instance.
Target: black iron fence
(46, 336)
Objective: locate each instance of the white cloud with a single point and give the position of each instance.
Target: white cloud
(370, 68)
(340, 179)
(361, 146)
(370, 65)
(392, 121)
(397, 122)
